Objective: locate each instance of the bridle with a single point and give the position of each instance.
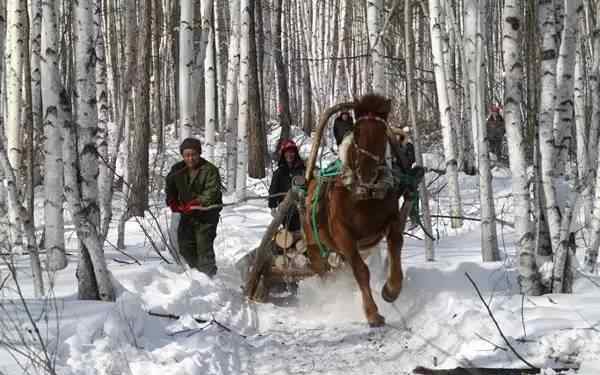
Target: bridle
(372, 187)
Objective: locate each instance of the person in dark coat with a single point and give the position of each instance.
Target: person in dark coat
(342, 126)
(191, 185)
(290, 165)
(495, 130)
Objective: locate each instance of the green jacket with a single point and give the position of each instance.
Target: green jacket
(205, 187)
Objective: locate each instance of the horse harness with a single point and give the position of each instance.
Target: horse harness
(381, 183)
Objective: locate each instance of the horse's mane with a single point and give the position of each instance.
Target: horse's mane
(372, 103)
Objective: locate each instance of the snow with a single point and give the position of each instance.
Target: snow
(438, 321)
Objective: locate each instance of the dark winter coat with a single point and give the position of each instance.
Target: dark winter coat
(341, 128)
(205, 187)
(281, 183)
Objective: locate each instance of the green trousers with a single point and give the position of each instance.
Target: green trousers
(196, 240)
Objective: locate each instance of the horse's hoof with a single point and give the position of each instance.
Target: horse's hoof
(387, 295)
(379, 321)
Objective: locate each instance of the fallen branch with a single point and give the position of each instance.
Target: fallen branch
(479, 371)
(198, 320)
(498, 326)
(508, 224)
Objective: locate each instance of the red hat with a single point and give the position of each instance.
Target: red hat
(287, 145)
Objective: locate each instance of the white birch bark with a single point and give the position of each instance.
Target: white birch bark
(436, 29)
(210, 98)
(243, 91)
(591, 253)
(583, 165)
(11, 182)
(409, 52)
(104, 172)
(232, 96)
(515, 128)
(594, 79)
(471, 16)
(14, 66)
(186, 64)
(374, 23)
(565, 69)
(53, 164)
(36, 89)
(546, 108)
(489, 238)
(86, 121)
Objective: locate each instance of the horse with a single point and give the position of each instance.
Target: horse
(352, 217)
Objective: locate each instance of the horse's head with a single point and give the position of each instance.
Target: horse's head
(367, 154)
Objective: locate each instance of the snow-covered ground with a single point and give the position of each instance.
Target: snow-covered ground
(438, 320)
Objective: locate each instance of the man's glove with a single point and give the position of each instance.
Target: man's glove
(174, 206)
(188, 208)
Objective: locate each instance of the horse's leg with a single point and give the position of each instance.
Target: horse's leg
(393, 285)
(362, 276)
(347, 246)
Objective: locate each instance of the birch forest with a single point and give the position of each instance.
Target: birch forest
(97, 94)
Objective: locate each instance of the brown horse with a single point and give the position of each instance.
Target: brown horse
(358, 216)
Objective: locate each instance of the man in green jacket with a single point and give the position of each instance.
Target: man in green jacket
(193, 188)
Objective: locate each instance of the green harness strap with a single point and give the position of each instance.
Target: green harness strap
(332, 170)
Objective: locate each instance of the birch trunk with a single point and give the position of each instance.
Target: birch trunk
(53, 164)
(565, 69)
(186, 64)
(409, 46)
(210, 98)
(14, 66)
(243, 97)
(36, 88)
(436, 29)
(374, 21)
(231, 107)
(591, 253)
(594, 79)
(104, 172)
(489, 238)
(583, 166)
(92, 265)
(515, 128)
(546, 108)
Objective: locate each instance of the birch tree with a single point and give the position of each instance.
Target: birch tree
(93, 278)
(105, 177)
(547, 28)
(15, 21)
(375, 26)
(409, 46)
(511, 52)
(210, 98)
(53, 164)
(243, 97)
(445, 109)
(565, 69)
(186, 64)
(233, 69)
(474, 56)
